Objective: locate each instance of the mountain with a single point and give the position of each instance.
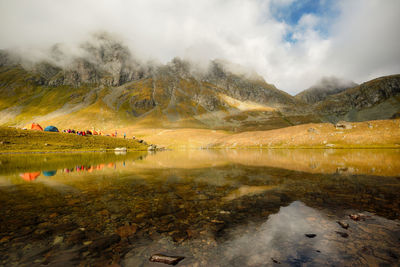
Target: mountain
(373, 100)
(106, 87)
(325, 87)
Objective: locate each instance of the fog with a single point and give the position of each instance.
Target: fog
(332, 83)
(358, 43)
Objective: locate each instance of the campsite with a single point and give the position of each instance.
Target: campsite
(51, 140)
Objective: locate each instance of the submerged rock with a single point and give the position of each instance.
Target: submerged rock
(357, 217)
(126, 230)
(275, 261)
(171, 260)
(344, 225)
(345, 235)
(104, 242)
(310, 235)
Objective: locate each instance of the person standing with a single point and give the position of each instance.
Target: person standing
(124, 135)
(115, 133)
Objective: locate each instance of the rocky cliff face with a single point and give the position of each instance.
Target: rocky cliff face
(325, 87)
(375, 99)
(248, 87)
(103, 61)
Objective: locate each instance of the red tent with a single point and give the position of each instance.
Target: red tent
(30, 176)
(36, 127)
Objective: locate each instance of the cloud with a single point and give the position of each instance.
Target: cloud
(358, 41)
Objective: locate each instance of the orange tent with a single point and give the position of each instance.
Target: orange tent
(36, 127)
(30, 176)
(95, 133)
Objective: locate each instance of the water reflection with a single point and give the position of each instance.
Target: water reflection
(32, 176)
(216, 208)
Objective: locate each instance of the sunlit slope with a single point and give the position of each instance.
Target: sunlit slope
(380, 133)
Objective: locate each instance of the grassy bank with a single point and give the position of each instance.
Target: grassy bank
(16, 140)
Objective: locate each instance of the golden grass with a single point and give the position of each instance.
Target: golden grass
(16, 140)
(372, 134)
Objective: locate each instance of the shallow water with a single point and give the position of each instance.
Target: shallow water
(215, 208)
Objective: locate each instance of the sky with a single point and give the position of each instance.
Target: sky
(291, 43)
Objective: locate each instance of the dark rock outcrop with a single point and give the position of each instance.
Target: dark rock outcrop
(325, 87)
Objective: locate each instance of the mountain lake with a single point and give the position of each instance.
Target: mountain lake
(299, 207)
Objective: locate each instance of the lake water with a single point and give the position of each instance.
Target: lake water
(215, 208)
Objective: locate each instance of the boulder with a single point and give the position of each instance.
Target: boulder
(343, 125)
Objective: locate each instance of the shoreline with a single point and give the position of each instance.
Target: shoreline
(199, 148)
(64, 151)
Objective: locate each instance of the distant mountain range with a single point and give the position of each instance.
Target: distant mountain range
(105, 87)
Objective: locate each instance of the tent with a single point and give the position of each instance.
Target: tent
(29, 176)
(51, 129)
(36, 127)
(49, 173)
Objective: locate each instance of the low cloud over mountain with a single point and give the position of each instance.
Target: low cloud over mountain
(353, 39)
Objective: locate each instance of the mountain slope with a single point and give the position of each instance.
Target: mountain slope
(105, 87)
(372, 100)
(175, 95)
(325, 87)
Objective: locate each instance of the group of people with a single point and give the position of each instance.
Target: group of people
(87, 132)
(82, 133)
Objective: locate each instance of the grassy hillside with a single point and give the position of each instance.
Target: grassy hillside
(16, 140)
(377, 99)
(371, 134)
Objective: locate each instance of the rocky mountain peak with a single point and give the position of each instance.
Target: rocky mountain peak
(323, 88)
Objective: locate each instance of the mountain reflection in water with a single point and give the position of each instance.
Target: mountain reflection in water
(215, 208)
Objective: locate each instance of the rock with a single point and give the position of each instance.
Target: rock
(357, 217)
(275, 261)
(171, 260)
(104, 242)
(87, 243)
(342, 170)
(5, 239)
(51, 216)
(217, 221)
(224, 212)
(179, 237)
(152, 147)
(126, 230)
(344, 235)
(58, 240)
(310, 235)
(343, 125)
(312, 130)
(344, 225)
(76, 236)
(73, 202)
(120, 149)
